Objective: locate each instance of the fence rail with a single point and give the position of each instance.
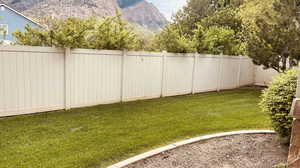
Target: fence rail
(38, 79)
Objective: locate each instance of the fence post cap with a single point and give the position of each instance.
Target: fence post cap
(221, 55)
(124, 52)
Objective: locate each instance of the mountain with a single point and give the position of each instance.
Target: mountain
(127, 3)
(144, 14)
(168, 7)
(64, 8)
(135, 11)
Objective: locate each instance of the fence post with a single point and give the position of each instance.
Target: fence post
(194, 73)
(220, 73)
(294, 154)
(254, 73)
(163, 76)
(124, 54)
(67, 74)
(239, 72)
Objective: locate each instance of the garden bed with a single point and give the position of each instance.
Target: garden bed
(238, 151)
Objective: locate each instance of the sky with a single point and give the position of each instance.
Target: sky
(168, 7)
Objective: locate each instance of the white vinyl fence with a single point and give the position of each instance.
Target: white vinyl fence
(38, 79)
(263, 76)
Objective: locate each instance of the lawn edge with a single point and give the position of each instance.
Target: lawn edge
(185, 142)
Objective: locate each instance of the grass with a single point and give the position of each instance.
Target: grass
(102, 135)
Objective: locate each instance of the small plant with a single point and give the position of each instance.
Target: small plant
(281, 165)
(277, 101)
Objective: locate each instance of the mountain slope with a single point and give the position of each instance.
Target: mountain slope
(127, 3)
(63, 8)
(145, 14)
(135, 11)
(168, 7)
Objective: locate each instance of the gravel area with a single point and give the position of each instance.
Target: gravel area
(239, 151)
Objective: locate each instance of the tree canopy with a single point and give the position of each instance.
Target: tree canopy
(268, 31)
(274, 41)
(265, 30)
(105, 33)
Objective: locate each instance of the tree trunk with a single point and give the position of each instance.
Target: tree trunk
(284, 60)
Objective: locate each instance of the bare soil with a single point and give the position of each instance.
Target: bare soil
(239, 151)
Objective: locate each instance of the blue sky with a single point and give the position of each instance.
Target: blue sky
(168, 7)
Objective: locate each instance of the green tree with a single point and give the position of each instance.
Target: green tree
(172, 39)
(145, 38)
(213, 26)
(71, 32)
(113, 33)
(218, 40)
(225, 3)
(275, 40)
(197, 10)
(192, 14)
(254, 10)
(228, 17)
(106, 33)
(225, 17)
(32, 37)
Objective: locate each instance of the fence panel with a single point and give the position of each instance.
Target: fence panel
(206, 77)
(32, 80)
(95, 77)
(143, 75)
(264, 76)
(229, 72)
(38, 79)
(179, 74)
(247, 72)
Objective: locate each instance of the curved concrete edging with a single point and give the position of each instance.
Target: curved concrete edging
(185, 142)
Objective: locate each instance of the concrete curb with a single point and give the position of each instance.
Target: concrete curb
(185, 142)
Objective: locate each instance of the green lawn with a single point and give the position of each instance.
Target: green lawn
(102, 135)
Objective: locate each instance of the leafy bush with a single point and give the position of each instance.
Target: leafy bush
(172, 39)
(217, 40)
(281, 165)
(106, 33)
(70, 32)
(212, 40)
(224, 17)
(277, 101)
(113, 33)
(32, 37)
